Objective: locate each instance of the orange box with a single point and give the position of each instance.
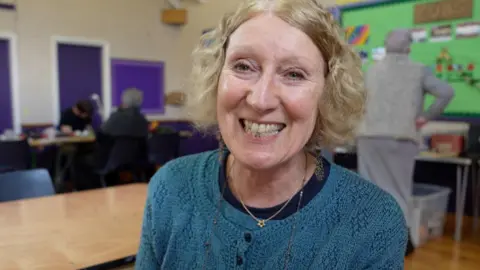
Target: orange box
(447, 143)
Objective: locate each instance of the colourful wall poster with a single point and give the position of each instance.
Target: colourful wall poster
(419, 34)
(357, 35)
(456, 71)
(468, 30)
(441, 33)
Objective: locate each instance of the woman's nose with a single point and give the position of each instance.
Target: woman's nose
(263, 94)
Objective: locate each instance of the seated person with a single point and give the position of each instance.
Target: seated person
(78, 117)
(128, 120)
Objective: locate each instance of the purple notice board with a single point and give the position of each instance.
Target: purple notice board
(147, 76)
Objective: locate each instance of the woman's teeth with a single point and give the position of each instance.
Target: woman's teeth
(261, 130)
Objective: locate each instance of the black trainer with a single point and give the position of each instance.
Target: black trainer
(410, 248)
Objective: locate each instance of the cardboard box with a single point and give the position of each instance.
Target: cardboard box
(447, 143)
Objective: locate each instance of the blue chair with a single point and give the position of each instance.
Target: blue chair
(25, 184)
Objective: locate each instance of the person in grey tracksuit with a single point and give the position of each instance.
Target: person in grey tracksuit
(387, 142)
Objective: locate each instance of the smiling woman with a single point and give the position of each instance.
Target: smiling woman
(278, 83)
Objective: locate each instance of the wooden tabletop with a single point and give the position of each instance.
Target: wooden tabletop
(71, 231)
(449, 158)
(61, 140)
(81, 139)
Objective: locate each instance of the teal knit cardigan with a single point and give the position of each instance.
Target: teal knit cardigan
(350, 224)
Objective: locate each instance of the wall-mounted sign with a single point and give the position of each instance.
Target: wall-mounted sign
(443, 10)
(176, 98)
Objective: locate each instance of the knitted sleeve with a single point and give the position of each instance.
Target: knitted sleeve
(387, 240)
(146, 258)
(151, 244)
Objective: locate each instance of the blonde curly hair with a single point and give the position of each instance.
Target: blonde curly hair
(340, 107)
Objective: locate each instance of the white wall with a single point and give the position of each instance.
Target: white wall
(133, 29)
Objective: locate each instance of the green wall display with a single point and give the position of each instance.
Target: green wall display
(450, 48)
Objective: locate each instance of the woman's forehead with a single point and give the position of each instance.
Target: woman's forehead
(268, 34)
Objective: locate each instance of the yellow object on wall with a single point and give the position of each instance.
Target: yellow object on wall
(174, 16)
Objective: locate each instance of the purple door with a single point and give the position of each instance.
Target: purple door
(79, 74)
(5, 87)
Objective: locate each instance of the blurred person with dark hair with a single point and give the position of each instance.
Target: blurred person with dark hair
(388, 140)
(78, 117)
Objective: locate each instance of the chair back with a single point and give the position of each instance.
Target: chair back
(163, 147)
(126, 152)
(15, 154)
(25, 184)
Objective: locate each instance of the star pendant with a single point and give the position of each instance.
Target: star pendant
(261, 223)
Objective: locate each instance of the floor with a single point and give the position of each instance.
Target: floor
(446, 254)
(441, 254)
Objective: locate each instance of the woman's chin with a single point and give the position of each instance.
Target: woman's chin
(257, 160)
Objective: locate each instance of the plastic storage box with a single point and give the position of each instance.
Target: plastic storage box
(429, 204)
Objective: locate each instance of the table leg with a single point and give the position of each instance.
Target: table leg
(34, 159)
(476, 196)
(60, 170)
(461, 192)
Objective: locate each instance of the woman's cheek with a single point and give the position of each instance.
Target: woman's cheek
(300, 100)
(231, 88)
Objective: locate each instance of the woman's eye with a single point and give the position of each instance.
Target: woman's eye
(293, 75)
(241, 67)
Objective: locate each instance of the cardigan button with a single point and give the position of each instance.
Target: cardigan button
(248, 237)
(239, 260)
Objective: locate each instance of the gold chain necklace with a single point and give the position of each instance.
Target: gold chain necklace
(262, 222)
(319, 172)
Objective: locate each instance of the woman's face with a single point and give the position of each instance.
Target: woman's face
(268, 91)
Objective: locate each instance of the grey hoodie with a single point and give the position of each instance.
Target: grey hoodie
(396, 88)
